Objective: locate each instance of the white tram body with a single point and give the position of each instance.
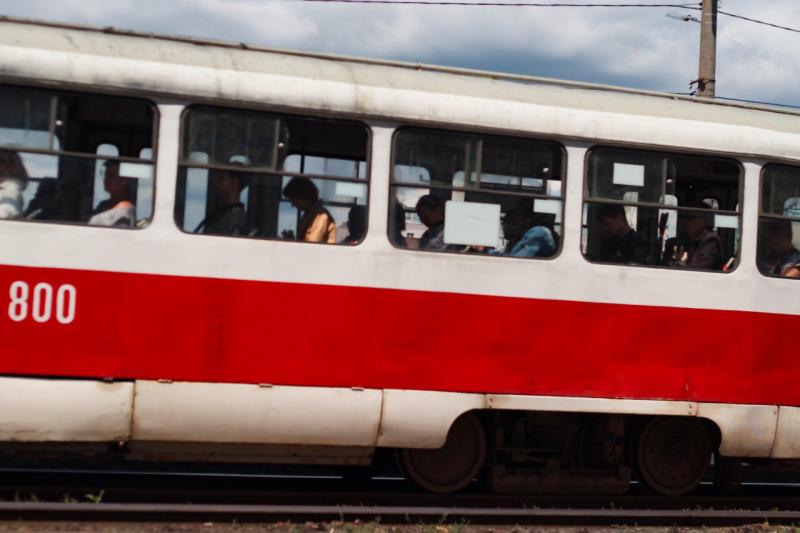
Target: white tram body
(213, 347)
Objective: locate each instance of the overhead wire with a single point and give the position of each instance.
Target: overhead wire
(748, 19)
(694, 6)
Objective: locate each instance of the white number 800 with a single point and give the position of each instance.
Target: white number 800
(41, 305)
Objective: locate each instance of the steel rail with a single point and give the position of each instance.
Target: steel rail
(154, 512)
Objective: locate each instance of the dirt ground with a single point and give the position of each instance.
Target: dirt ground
(352, 527)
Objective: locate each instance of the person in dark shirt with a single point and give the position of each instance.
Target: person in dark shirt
(230, 217)
(622, 244)
(430, 210)
(781, 258)
(697, 245)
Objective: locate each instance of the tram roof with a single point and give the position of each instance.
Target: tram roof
(246, 58)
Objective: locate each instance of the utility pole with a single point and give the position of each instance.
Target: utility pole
(706, 78)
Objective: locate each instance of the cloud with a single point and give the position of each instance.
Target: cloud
(633, 47)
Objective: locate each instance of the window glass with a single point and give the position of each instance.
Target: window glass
(661, 209)
(225, 136)
(471, 193)
(69, 157)
(779, 223)
(276, 177)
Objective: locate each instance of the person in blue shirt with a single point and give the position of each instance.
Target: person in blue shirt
(526, 236)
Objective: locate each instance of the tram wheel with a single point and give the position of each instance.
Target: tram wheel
(673, 455)
(453, 466)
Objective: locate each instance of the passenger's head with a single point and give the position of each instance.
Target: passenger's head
(697, 221)
(116, 186)
(430, 210)
(357, 222)
(515, 223)
(11, 166)
(301, 192)
(612, 218)
(229, 184)
(777, 235)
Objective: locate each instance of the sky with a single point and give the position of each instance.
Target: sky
(632, 47)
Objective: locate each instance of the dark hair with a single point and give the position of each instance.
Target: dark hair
(16, 167)
(429, 202)
(702, 210)
(610, 211)
(302, 188)
(778, 228)
(357, 222)
(111, 164)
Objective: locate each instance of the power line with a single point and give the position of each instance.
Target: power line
(743, 100)
(759, 22)
(497, 4)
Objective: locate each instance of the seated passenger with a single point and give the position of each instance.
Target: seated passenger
(43, 204)
(229, 217)
(118, 210)
(430, 210)
(526, 236)
(697, 244)
(621, 243)
(13, 179)
(397, 224)
(781, 257)
(356, 224)
(316, 224)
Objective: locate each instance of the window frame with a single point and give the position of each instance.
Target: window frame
(277, 174)
(479, 133)
(665, 150)
(771, 216)
(80, 90)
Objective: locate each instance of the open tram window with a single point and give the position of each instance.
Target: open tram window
(779, 222)
(55, 162)
(256, 174)
(475, 193)
(661, 209)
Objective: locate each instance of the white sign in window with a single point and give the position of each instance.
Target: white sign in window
(547, 206)
(726, 221)
(472, 224)
(625, 174)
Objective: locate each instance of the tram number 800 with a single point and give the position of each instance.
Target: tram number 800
(43, 303)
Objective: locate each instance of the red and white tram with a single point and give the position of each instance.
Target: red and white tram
(159, 293)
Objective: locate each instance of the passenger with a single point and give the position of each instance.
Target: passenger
(118, 210)
(43, 204)
(621, 243)
(13, 179)
(397, 224)
(526, 236)
(230, 216)
(356, 224)
(697, 244)
(316, 224)
(430, 210)
(781, 258)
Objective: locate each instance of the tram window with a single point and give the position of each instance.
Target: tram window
(779, 222)
(475, 193)
(263, 175)
(661, 209)
(75, 158)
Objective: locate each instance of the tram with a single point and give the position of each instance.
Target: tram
(216, 252)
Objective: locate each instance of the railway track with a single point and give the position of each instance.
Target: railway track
(131, 496)
(160, 512)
